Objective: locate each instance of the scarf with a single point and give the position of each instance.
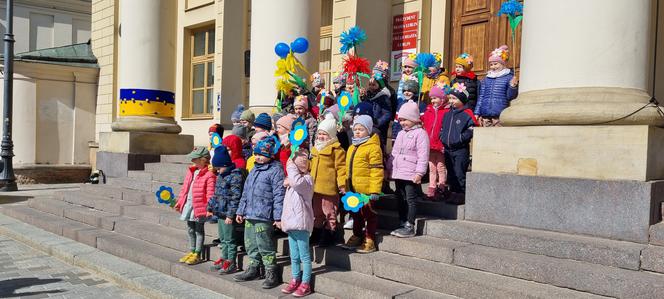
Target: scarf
(320, 145)
(493, 74)
(359, 141)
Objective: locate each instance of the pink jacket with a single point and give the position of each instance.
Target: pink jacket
(410, 155)
(203, 190)
(298, 213)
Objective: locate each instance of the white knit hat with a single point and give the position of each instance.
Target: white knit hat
(329, 126)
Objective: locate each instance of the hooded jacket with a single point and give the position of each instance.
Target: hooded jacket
(328, 169)
(298, 213)
(234, 144)
(263, 193)
(364, 167)
(227, 193)
(432, 122)
(410, 155)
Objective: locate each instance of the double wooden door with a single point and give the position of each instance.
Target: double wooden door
(477, 30)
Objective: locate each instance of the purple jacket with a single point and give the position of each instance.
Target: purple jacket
(297, 213)
(410, 155)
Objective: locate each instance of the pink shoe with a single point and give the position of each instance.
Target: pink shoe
(303, 290)
(291, 287)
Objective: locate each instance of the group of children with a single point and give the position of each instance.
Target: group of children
(254, 180)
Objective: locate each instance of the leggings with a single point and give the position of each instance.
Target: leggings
(196, 232)
(298, 244)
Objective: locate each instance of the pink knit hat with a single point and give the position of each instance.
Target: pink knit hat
(301, 101)
(437, 91)
(287, 121)
(500, 55)
(410, 62)
(410, 111)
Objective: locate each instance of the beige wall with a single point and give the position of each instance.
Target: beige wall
(104, 46)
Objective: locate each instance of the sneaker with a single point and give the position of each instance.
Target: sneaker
(303, 290)
(348, 224)
(406, 231)
(367, 247)
(228, 268)
(185, 257)
(291, 287)
(353, 242)
(193, 259)
(217, 265)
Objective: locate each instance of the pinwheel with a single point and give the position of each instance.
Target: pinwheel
(165, 196)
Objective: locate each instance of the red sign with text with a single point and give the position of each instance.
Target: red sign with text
(404, 31)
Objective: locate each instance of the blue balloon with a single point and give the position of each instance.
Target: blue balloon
(282, 50)
(300, 45)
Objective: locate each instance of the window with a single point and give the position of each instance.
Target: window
(202, 73)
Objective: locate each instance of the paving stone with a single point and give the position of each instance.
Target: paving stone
(424, 247)
(594, 250)
(170, 287)
(596, 279)
(653, 259)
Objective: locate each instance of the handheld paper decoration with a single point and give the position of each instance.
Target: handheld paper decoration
(215, 140)
(351, 39)
(513, 9)
(343, 102)
(296, 137)
(165, 196)
(354, 201)
(298, 122)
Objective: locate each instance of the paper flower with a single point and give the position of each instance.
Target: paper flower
(353, 65)
(298, 122)
(354, 201)
(467, 57)
(298, 135)
(352, 38)
(215, 140)
(344, 101)
(459, 87)
(511, 8)
(427, 60)
(165, 195)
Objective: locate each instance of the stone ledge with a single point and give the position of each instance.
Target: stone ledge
(51, 174)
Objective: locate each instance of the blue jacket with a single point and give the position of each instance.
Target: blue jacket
(382, 111)
(227, 193)
(263, 194)
(457, 129)
(495, 95)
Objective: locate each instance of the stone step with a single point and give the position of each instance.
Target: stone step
(162, 167)
(48, 222)
(82, 198)
(657, 234)
(389, 220)
(183, 159)
(103, 190)
(153, 233)
(424, 247)
(49, 205)
(652, 259)
(169, 177)
(70, 211)
(120, 193)
(131, 183)
(140, 175)
(424, 207)
(582, 276)
(588, 249)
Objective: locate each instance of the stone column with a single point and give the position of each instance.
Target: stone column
(147, 67)
(585, 62)
(273, 22)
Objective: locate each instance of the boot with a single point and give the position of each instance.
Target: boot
(271, 278)
(228, 268)
(252, 273)
(326, 238)
(367, 247)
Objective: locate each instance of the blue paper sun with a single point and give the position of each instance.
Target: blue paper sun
(298, 122)
(298, 135)
(344, 101)
(354, 201)
(165, 195)
(215, 140)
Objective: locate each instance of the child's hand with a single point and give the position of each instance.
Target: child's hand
(277, 224)
(417, 179)
(239, 219)
(228, 220)
(342, 190)
(286, 183)
(514, 82)
(208, 214)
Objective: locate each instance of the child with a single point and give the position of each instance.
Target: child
(283, 126)
(247, 119)
(301, 108)
(463, 74)
(339, 82)
(234, 146)
(456, 135)
(263, 123)
(298, 221)
(197, 189)
(410, 92)
(237, 114)
(408, 164)
(214, 128)
(496, 90)
(364, 166)
(260, 209)
(328, 168)
(432, 120)
(242, 132)
(433, 77)
(227, 194)
(254, 140)
(379, 96)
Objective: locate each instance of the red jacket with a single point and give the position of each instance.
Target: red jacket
(202, 192)
(432, 122)
(234, 145)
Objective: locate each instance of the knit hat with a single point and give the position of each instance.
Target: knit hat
(301, 160)
(364, 108)
(216, 128)
(465, 60)
(263, 121)
(317, 80)
(258, 137)
(248, 115)
(287, 121)
(221, 157)
(339, 79)
(437, 91)
(301, 101)
(235, 116)
(329, 126)
(500, 55)
(365, 121)
(381, 71)
(240, 131)
(410, 61)
(459, 91)
(412, 86)
(267, 147)
(198, 152)
(410, 111)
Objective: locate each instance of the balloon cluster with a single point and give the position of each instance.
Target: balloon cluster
(287, 67)
(300, 45)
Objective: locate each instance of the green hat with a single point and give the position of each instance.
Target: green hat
(198, 152)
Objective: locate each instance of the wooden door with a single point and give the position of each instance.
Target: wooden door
(477, 30)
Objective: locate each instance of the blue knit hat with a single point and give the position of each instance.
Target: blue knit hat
(267, 147)
(263, 121)
(237, 114)
(221, 157)
(364, 108)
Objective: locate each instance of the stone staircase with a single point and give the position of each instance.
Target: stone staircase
(450, 258)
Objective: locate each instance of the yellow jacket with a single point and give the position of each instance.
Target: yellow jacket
(250, 162)
(328, 169)
(427, 83)
(364, 167)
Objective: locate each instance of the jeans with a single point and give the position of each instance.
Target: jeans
(196, 232)
(407, 194)
(259, 243)
(325, 211)
(228, 241)
(457, 161)
(298, 244)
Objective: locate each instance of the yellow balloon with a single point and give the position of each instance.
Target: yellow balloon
(353, 201)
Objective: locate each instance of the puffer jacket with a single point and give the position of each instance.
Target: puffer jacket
(203, 190)
(234, 145)
(457, 129)
(364, 167)
(410, 155)
(432, 122)
(469, 79)
(227, 193)
(328, 169)
(381, 111)
(263, 193)
(298, 213)
(495, 95)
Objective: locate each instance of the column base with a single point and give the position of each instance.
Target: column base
(117, 165)
(621, 210)
(146, 124)
(581, 106)
(145, 143)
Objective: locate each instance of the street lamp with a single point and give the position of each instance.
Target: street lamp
(7, 177)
